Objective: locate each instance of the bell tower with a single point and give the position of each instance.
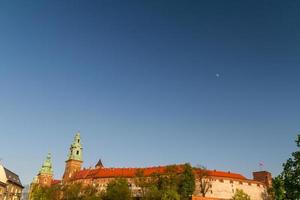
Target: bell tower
(74, 161)
(45, 175)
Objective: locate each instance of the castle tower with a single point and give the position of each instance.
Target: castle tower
(74, 161)
(264, 177)
(45, 175)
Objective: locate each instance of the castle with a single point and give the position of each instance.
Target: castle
(222, 185)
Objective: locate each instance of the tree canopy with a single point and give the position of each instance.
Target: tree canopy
(118, 189)
(187, 183)
(287, 184)
(169, 186)
(240, 195)
(73, 191)
(278, 191)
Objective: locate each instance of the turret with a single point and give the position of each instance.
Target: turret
(45, 174)
(74, 161)
(99, 164)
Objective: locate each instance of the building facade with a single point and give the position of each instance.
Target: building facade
(222, 185)
(10, 185)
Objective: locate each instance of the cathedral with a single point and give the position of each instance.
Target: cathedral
(223, 185)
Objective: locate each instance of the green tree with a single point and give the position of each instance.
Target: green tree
(278, 191)
(176, 182)
(152, 193)
(170, 180)
(90, 193)
(240, 195)
(291, 174)
(141, 181)
(45, 193)
(39, 193)
(76, 191)
(170, 194)
(148, 186)
(187, 183)
(72, 192)
(118, 189)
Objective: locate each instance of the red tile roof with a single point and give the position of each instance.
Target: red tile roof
(54, 182)
(131, 172)
(221, 174)
(122, 172)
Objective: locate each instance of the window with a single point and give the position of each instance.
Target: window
(241, 183)
(77, 152)
(231, 181)
(78, 140)
(249, 183)
(221, 180)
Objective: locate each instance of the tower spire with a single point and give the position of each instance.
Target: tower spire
(74, 160)
(47, 166)
(99, 164)
(76, 149)
(45, 175)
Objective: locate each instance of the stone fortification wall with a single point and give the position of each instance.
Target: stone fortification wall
(225, 188)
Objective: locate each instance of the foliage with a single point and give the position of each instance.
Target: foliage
(91, 193)
(278, 191)
(187, 183)
(45, 193)
(141, 181)
(170, 180)
(240, 195)
(118, 189)
(40, 193)
(152, 193)
(291, 174)
(73, 191)
(171, 185)
(170, 195)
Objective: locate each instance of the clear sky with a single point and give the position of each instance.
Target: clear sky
(149, 83)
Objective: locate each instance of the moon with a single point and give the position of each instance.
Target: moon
(217, 75)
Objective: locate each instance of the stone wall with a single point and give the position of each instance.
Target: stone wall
(226, 188)
(220, 188)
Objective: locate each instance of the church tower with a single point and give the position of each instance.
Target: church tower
(74, 161)
(45, 175)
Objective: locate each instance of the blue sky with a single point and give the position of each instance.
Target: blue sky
(138, 80)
